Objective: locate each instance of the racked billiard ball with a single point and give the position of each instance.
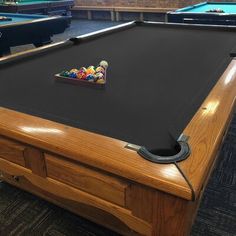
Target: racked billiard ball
(90, 78)
(90, 70)
(83, 69)
(74, 70)
(100, 69)
(81, 75)
(73, 75)
(99, 76)
(104, 64)
(100, 81)
(65, 73)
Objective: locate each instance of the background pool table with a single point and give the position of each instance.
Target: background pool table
(52, 7)
(29, 29)
(197, 14)
(71, 144)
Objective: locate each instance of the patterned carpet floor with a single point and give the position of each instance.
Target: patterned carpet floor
(22, 214)
(217, 213)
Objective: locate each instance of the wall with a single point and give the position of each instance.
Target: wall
(140, 3)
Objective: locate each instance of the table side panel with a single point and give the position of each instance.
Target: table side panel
(35, 161)
(89, 180)
(93, 214)
(12, 151)
(75, 197)
(172, 215)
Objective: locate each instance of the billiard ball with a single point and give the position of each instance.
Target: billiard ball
(65, 73)
(83, 69)
(74, 70)
(81, 75)
(100, 81)
(73, 75)
(90, 70)
(99, 76)
(90, 77)
(100, 69)
(104, 64)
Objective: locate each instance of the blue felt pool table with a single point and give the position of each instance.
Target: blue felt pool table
(213, 13)
(45, 7)
(20, 29)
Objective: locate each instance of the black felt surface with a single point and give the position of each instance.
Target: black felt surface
(157, 78)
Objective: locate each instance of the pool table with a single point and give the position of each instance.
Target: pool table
(22, 29)
(200, 14)
(134, 156)
(51, 7)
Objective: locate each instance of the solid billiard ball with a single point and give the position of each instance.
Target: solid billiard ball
(74, 70)
(73, 75)
(100, 81)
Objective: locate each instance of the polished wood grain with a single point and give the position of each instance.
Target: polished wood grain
(172, 216)
(87, 179)
(12, 151)
(139, 200)
(207, 128)
(36, 161)
(77, 196)
(94, 214)
(158, 213)
(106, 153)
